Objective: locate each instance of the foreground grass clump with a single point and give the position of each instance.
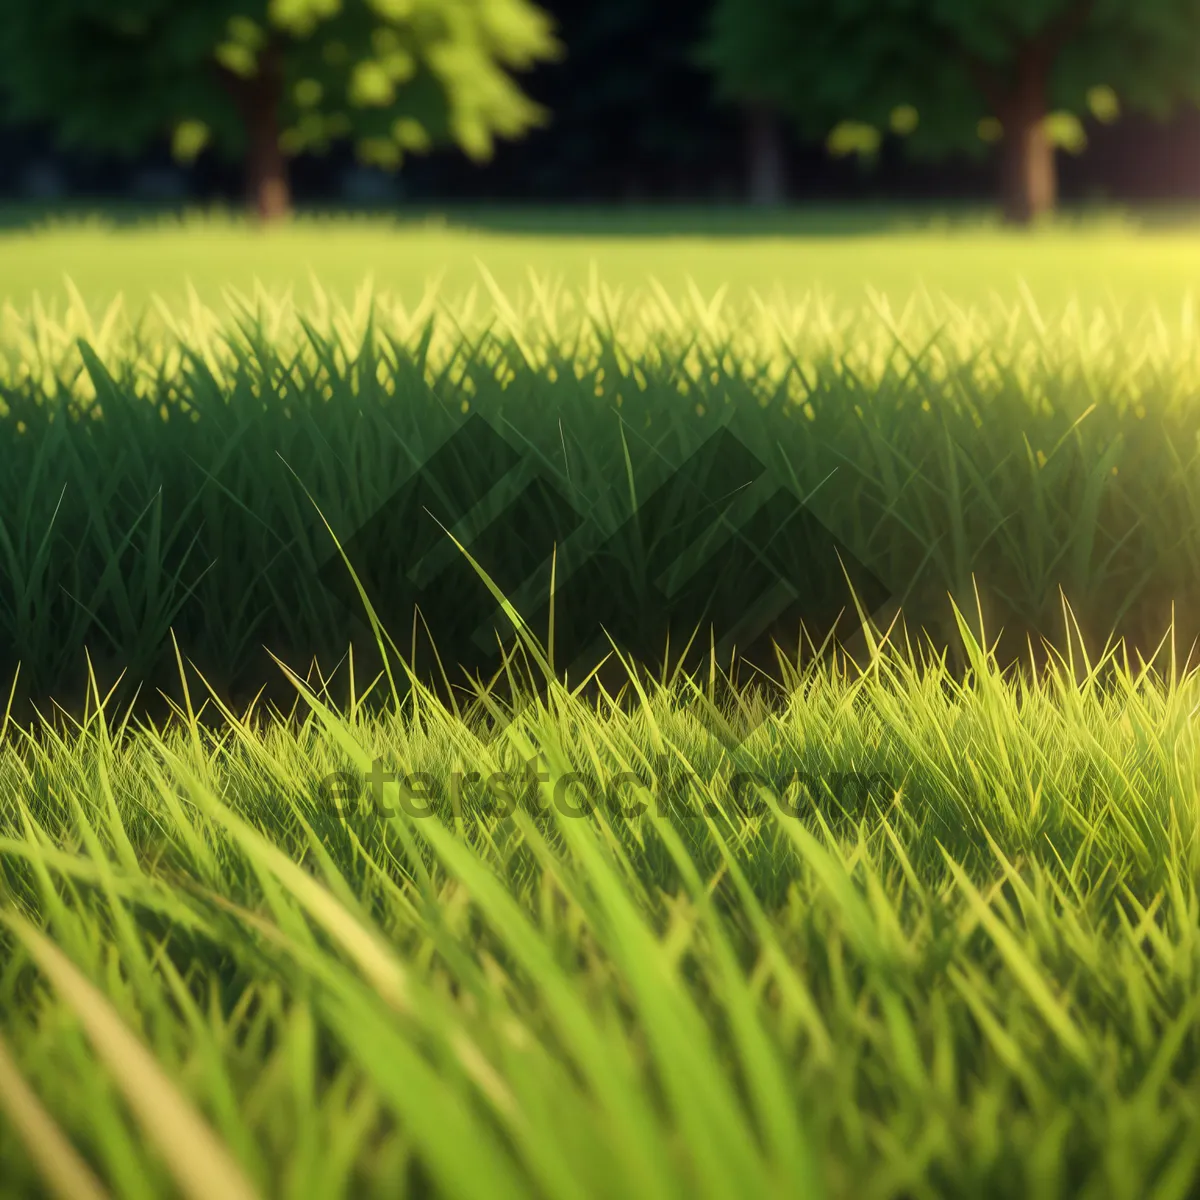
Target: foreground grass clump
(975, 974)
(185, 473)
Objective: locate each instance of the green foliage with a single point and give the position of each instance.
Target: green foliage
(853, 138)
(904, 119)
(398, 75)
(1066, 131)
(828, 61)
(1104, 104)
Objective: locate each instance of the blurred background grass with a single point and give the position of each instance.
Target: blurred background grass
(1148, 258)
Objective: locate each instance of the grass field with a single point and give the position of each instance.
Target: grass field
(915, 919)
(1134, 258)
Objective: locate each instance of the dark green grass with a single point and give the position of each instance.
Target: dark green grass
(188, 478)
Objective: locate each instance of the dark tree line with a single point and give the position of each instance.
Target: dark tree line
(736, 98)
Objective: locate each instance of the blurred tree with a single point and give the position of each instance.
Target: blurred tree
(958, 74)
(766, 158)
(267, 79)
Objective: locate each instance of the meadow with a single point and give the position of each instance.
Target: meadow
(1130, 259)
(287, 911)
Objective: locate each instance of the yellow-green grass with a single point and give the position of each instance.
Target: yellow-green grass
(231, 964)
(1137, 259)
(895, 928)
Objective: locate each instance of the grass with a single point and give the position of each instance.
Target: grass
(975, 977)
(1136, 259)
(188, 476)
(918, 921)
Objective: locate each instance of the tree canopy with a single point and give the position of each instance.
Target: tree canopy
(267, 79)
(955, 75)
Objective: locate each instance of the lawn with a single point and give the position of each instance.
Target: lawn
(1135, 259)
(915, 918)
(939, 942)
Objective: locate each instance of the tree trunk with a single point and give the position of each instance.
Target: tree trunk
(1028, 173)
(268, 192)
(1020, 101)
(765, 145)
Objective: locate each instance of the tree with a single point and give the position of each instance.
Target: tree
(268, 79)
(953, 75)
(768, 184)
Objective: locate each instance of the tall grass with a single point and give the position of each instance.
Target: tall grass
(178, 473)
(914, 925)
(978, 976)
